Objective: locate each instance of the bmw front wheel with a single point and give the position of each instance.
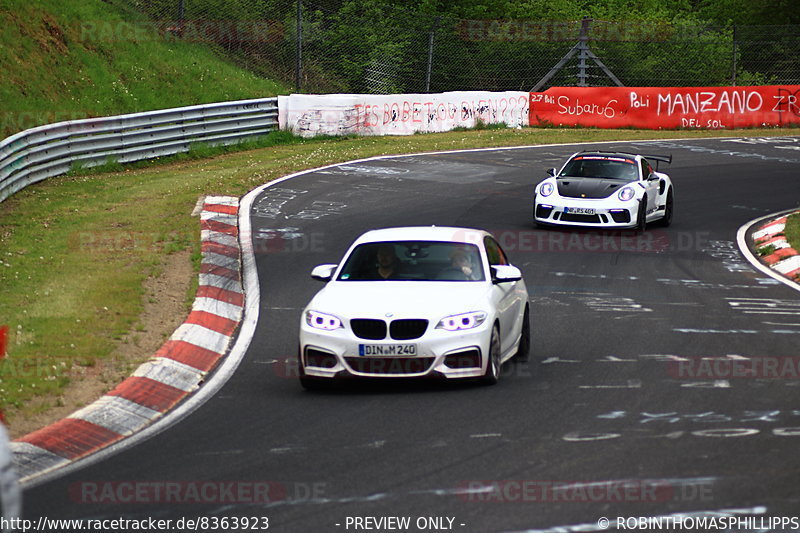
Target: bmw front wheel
(492, 374)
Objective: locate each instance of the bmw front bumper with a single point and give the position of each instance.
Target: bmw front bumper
(439, 353)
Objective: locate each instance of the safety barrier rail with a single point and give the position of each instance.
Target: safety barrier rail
(54, 149)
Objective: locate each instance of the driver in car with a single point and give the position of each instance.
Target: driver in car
(387, 264)
(461, 261)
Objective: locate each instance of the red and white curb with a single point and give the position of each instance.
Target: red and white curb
(174, 372)
(783, 258)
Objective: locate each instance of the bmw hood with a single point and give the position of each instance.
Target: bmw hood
(403, 299)
(589, 187)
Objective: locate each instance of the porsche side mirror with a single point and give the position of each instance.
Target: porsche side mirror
(551, 171)
(323, 272)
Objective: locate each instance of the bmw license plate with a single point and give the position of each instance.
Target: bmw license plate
(580, 210)
(387, 349)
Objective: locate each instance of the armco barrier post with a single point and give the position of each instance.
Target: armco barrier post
(3, 340)
(3, 345)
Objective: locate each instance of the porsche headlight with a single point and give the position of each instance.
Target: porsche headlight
(319, 320)
(546, 189)
(626, 194)
(462, 321)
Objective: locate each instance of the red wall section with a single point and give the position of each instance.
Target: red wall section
(667, 107)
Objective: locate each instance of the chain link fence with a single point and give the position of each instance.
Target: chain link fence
(325, 46)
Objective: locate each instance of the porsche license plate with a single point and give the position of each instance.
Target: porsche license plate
(580, 210)
(387, 349)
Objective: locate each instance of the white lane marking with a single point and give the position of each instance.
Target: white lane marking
(630, 384)
(722, 331)
(578, 436)
(613, 359)
(613, 414)
(716, 384)
(664, 357)
(738, 331)
(765, 306)
(726, 432)
(551, 360)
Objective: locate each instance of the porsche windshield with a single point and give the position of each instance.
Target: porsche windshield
(601, 166)
(413, 261)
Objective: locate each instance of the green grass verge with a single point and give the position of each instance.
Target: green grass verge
(69, 60)
(792, 231)
(75, 250)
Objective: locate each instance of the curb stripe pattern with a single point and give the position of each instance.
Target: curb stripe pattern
(176, 370)
(784, 259)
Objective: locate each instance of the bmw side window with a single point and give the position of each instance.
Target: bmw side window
(494, 253)
(503, 260)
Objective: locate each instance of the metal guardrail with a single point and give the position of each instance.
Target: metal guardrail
(54, 149)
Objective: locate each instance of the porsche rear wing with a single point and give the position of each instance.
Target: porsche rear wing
(654, 157)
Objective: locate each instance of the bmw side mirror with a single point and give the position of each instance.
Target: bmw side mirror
(323, 272)
(551, 171)
(505, 274)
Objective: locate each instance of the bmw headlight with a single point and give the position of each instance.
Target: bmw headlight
(626, 194)
(546, 189)
(462, 321)
(319, 320)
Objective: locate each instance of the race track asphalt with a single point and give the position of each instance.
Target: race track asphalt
(628, 407)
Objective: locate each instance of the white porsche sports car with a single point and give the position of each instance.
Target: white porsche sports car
(416, 302)
(605, 189)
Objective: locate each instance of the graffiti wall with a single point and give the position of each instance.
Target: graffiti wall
(399, 114)
(667, 107)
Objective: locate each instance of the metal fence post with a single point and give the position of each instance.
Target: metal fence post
(431, 34)
(733, 74)
(583, 54)
(298, 61)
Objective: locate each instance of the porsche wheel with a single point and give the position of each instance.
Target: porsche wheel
(668, 210)
(641, 218)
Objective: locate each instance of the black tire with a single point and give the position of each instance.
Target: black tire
(492, 374)
(524, 349)
(641, 218)
(667, 220)
(310, 383)
(313, 384)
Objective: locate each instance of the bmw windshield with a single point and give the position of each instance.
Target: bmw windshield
(413, 261)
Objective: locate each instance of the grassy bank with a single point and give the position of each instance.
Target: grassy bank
(69, 60)
(792, 231)
(76, 250)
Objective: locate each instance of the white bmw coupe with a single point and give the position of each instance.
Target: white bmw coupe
(416, 302)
